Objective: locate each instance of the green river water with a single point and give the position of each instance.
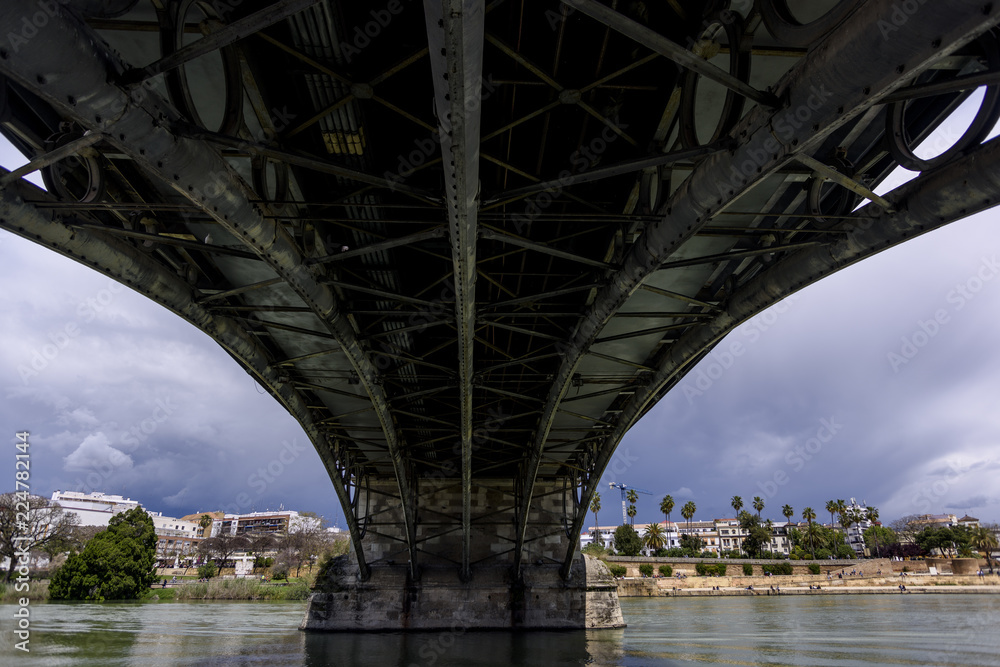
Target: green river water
(961, 630)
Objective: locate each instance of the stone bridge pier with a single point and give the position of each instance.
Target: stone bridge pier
(433, 596)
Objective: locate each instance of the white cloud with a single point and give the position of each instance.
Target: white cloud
(96, 453)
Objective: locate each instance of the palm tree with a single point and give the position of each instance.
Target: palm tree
(737, 504)
(758, 504)
(871, 514)
(654, 537)
(687, 512)
(788, 512)
(841, 507)
(205, 521)
(831, 507)
(808, 514)
(631, 511)
(985, 543)
(595, 507)
(667, 506)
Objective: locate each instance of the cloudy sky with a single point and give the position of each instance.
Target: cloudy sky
(848, 389)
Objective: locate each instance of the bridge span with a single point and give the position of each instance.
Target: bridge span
(469, 244)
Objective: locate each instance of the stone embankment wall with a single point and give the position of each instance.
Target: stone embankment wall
(686, 566)
(661, 587)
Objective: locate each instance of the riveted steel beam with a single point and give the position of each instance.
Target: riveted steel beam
(833, 84)
(79, 80)
(455, 48)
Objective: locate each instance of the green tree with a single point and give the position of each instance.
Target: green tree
(737, 504)
(871, 514)
(985, 543)
(667, 506)
(633, 498)
(831, 507)
(756, 535)
(118, 564)
(879, 534)
(808, 514)
(595, 507)
(654, 537)
(788, 512)
(627, 541)
(841, 507)
(631, 512)
(207, 571)
(691, 544)
(688, 512)
(758, 504)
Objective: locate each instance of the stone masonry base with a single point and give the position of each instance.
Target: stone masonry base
(389, 601)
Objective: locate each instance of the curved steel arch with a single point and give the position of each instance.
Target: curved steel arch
(926, 203)
(768, 142)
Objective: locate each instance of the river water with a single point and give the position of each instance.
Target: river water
(961, 630)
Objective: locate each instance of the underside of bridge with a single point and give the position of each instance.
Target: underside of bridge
(469, 244)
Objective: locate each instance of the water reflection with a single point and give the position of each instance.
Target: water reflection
(841, 631)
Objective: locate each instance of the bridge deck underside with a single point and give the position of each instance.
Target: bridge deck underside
(480, 247)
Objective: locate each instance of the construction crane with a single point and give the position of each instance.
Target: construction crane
(624, 487)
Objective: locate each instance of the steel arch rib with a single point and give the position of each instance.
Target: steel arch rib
(968, 186)
(82, 78)
(455, 42)
(134, 268)
(830, 86)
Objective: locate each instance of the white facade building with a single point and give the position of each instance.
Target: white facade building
(94, 509)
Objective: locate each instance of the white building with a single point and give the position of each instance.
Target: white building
(94, 509)
(855, 532)
(279, 521)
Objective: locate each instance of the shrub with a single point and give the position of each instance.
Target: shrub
(280, 575)
(777, 568)
(813, 568)
(747, 570)
(706, 570)
(708, 554)
(823, 554)
(666, 571)
(207, 571)
(646, 570)
(617, 570)
(906, 568)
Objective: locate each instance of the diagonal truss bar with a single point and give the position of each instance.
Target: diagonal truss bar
(302, 160)
(816, 85)
(382, 245)
(140, 129)
(225, 36)
(170, 240)
(455, 30)
(660, 44)
(568, 178)
(490, 234)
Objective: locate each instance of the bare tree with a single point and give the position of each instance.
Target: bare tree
(222, 547)
(32, 523)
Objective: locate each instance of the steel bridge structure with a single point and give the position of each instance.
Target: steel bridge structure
(468, 244)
